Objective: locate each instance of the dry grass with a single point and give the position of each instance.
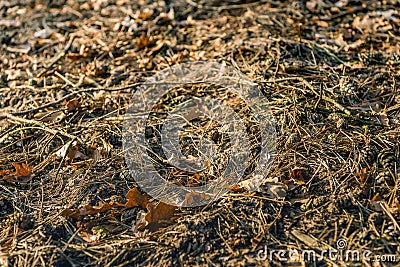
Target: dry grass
(330, 72)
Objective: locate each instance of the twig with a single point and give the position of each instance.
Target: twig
(40, 124)
(346, 116)
(66, 80)
(224, 7)
(329, 53)
(325, 98)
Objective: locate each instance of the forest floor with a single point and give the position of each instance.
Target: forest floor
(330, 71)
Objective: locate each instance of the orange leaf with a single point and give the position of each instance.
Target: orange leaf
(143, 41)
(5, 173)
(298, 175)
(363, 175)
(87, 210)
(22, 170)
(136, 199)
(235, 188)
(156, 216)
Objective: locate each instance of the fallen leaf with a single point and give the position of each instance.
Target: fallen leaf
(69, 152)
(5, 172)
(86, 210)
(22, 170)
(143, 41)
(22, 173)
(363, 176)
(195, 199)
(73, 105)
(157, 216)
(136, 199)
(297, 174)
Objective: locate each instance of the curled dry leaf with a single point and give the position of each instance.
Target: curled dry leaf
(136, 199)
(70, 151)
(97, 152)
(363, 176)
(298, 175)
(87, 210)
(195, 197)
(73, 105)
(22, 173)
(5, 173)
(143, 41)
(157, 216)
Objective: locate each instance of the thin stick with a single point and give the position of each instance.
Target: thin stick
(40, 124)
(325, 98)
